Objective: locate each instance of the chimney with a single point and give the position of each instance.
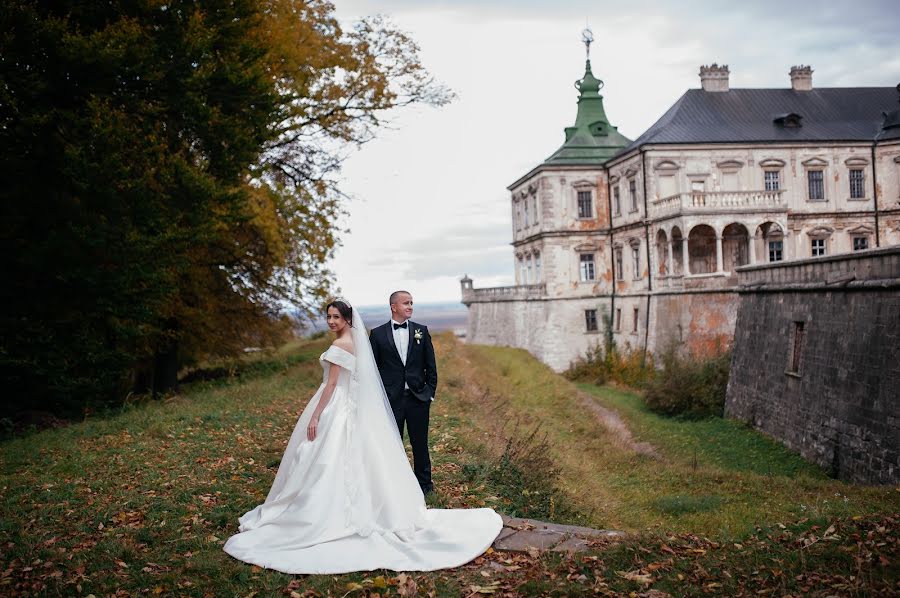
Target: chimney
(714, 77)
(801, 78)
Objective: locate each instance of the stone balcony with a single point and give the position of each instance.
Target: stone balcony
(718, 201)
(513, 293)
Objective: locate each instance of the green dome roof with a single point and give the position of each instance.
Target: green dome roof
(592, 140)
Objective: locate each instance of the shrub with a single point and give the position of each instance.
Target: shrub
(609, 364)
(691, 387)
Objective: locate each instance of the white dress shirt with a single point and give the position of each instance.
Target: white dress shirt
(401, 339)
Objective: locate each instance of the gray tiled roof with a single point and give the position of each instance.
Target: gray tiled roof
(746, 115)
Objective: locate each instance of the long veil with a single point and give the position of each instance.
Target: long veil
(381, 484)
(348, 500)
(367, 379)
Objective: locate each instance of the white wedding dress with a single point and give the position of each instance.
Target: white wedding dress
(349, 501)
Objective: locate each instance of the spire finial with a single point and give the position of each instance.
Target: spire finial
(587, 37)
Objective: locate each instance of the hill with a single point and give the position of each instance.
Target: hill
(141, 502)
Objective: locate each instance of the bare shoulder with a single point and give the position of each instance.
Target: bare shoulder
(344, 343)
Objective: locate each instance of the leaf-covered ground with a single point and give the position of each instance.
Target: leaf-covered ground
(141, 502)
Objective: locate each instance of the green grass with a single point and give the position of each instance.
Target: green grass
(141, 502)
(718, 442)
(713, 477)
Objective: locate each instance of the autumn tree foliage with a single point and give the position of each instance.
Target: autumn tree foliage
(169, 180)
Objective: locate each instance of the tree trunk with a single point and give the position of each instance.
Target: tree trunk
(165, 369)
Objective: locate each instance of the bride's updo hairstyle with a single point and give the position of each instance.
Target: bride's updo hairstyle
(343, 308)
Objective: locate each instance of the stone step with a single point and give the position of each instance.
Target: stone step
(526, 535)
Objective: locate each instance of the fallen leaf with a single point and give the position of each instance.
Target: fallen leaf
(636, 576)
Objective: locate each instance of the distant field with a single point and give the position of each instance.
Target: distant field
(437, 316)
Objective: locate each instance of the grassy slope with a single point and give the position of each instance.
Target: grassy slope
(142, 501)
(714, 477)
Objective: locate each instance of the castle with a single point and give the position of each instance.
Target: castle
(640, 239)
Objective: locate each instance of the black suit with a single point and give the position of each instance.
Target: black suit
(411, 406)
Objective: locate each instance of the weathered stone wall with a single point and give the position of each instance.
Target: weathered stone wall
(554, 331)
(551, 330)
(841, 407)
(701, 323)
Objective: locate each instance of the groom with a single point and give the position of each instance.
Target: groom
(405, 359)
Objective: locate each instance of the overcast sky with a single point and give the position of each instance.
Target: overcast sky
(430, 201)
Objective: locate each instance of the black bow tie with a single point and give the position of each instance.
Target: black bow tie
(403, 325)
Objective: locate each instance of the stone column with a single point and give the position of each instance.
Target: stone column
(751, 246)
(719, 265)
(671, 259)
(685, 258)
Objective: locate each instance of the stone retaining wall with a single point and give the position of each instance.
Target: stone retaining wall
(817, 360)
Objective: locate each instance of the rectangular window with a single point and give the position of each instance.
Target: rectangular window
(585, 209)
(632, 190)
(522, 272)
(860, 243)
(517, 215)
(816, 183)
(537, 269)
(620, 275)
(525, 208)
(618, 319)
(590, 320)
(587, 267)
(776, 251)
(617, 201)
(796, 347)
(818, 247)
(528, 279)
(857, 184)
(636, 262)
(773, 180)
(634, 320)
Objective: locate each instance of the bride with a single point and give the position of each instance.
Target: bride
(345, 498)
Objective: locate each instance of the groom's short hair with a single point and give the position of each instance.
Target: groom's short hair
(393, 298)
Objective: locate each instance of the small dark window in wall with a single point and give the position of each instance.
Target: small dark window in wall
(590, 320)
(816, 180)
(587, 267)
(818, 247)
(635, 321)
(618, 318)
(772, 180)
(797, 347)
(620, 275)
(860, 243)
(857, 184)
(632, 191)
(617, 201)
(585, 210)
(776, 249)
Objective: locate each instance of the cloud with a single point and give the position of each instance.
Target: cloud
(432, 201)
(476, 249)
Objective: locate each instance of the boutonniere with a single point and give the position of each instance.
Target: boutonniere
(418, 336)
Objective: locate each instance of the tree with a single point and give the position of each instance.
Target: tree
(169, 179)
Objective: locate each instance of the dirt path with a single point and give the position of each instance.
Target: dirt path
(611, 420)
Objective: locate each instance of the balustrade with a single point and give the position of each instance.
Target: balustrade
(512, 293)
(718, 200)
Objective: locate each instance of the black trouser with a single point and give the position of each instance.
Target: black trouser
(414, 413)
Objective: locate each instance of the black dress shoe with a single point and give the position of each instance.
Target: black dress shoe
(428, 490)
